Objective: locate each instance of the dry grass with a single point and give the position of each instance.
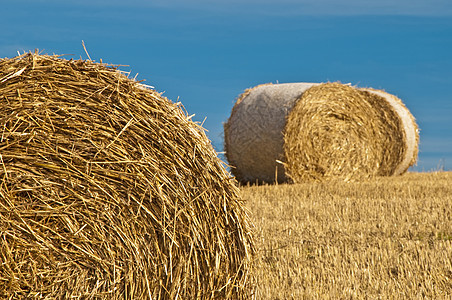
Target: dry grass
(109, 191)
(390, 238)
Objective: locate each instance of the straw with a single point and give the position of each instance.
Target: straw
(109, 191)
(296, 132)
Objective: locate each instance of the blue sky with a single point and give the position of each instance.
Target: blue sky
(205, 53)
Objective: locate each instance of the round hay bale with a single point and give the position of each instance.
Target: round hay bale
(310, 131)
(109, 191)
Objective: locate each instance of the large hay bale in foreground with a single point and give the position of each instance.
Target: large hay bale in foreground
(109, 191)
(309, 131)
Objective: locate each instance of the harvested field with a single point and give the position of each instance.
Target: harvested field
(390, 238)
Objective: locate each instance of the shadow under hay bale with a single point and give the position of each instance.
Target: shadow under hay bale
(297, 132)
(108, 190)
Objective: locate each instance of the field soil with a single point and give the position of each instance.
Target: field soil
(389, 238)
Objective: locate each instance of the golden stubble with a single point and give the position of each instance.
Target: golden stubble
(389, 238)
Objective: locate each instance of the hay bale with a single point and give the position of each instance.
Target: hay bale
(108, 190)
(309, 131)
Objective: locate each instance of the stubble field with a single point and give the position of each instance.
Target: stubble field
(389, 238)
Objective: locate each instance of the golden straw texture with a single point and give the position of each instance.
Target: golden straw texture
(109, 191)
(305, 131)
(410, 129)
(336, 130)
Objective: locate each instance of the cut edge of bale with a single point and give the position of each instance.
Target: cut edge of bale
(411, 129)
(383, 143)
(327, 129)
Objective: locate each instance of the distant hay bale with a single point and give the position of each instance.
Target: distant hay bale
(310, 131)
(109, 191)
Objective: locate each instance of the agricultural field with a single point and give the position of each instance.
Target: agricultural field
(389, 238)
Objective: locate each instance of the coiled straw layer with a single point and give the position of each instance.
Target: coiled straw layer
(307, 131)
(109, 191)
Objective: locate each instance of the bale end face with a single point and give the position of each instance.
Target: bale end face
(338, 131)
